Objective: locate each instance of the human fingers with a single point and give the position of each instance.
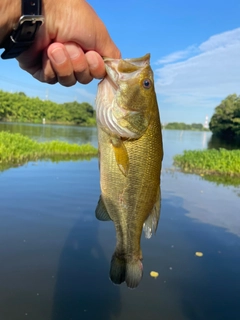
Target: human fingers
(71, 65)
(79, 63)
(95, 64)
(85, 67)
(45, 72)
(61, 64)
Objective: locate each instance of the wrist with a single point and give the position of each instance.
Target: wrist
(22, 35)
(10, 12)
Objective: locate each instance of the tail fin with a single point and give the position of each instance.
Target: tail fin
(117, 270)
(122, 270)
(134, 273)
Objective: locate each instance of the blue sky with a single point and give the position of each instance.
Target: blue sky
(195, 54)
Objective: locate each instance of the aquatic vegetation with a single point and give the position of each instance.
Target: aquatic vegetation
(210, 162)
(17, 149)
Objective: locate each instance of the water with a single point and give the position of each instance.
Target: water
(55, 255)
(41, 133)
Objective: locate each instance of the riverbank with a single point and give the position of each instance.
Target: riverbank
(52, 123)
(210, 162)
(17, 149)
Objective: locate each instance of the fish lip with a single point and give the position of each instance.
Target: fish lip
(115, 75)
(112, 76)
(144, 58)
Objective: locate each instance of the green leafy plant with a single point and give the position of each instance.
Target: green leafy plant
(18, 149)
(210, 162)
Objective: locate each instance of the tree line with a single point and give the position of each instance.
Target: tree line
(20, 108)
(184, 126)
(224, 124)
(225, 121)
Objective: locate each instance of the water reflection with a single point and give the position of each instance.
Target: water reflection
(216, 143)
(126, 265)
(225, 180)
(55, 255)
(202, 288)
(204, 139)
(47, 132)
(206, 203)
(188, 139)
(83, 290)
(54, 159)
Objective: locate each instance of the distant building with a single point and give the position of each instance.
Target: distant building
(206, 124)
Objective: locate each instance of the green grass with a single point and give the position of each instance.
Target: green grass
(16, 149)
(220, 162)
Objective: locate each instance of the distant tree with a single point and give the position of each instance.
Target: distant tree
(184, 126)
(79, 113)
(19, 107)
(197, 126)
(225, 122)
(22, 94)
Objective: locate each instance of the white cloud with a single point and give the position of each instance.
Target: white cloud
(221, 40)
(204, 79)
(178, 55)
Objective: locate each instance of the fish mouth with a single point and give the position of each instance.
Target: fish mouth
(124, 69)
(111, 66)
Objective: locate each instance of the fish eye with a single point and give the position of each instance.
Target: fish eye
(147, 83)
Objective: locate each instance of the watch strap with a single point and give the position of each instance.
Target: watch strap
(31, 7)
(23, 34)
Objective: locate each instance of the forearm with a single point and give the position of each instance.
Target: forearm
(10, 12)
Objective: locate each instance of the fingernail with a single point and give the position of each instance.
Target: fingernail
(58, 55)
(72, 50)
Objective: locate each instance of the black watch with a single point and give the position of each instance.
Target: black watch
(24, 32)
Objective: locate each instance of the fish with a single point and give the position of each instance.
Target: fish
(130, 158)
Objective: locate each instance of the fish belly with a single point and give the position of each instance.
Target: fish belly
(129, 199)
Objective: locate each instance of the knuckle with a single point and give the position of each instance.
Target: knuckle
(67, 81)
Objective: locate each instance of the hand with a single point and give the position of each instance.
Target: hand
(69, 46)
(69, 63)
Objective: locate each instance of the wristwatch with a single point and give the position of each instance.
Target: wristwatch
(23, 34)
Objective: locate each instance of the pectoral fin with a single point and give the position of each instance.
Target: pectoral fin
(121, 155)
(151, 223)
(101, 211)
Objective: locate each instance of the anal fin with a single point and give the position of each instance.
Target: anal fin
(151, 223)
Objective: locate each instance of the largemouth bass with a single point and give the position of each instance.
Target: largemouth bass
(130, 157)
